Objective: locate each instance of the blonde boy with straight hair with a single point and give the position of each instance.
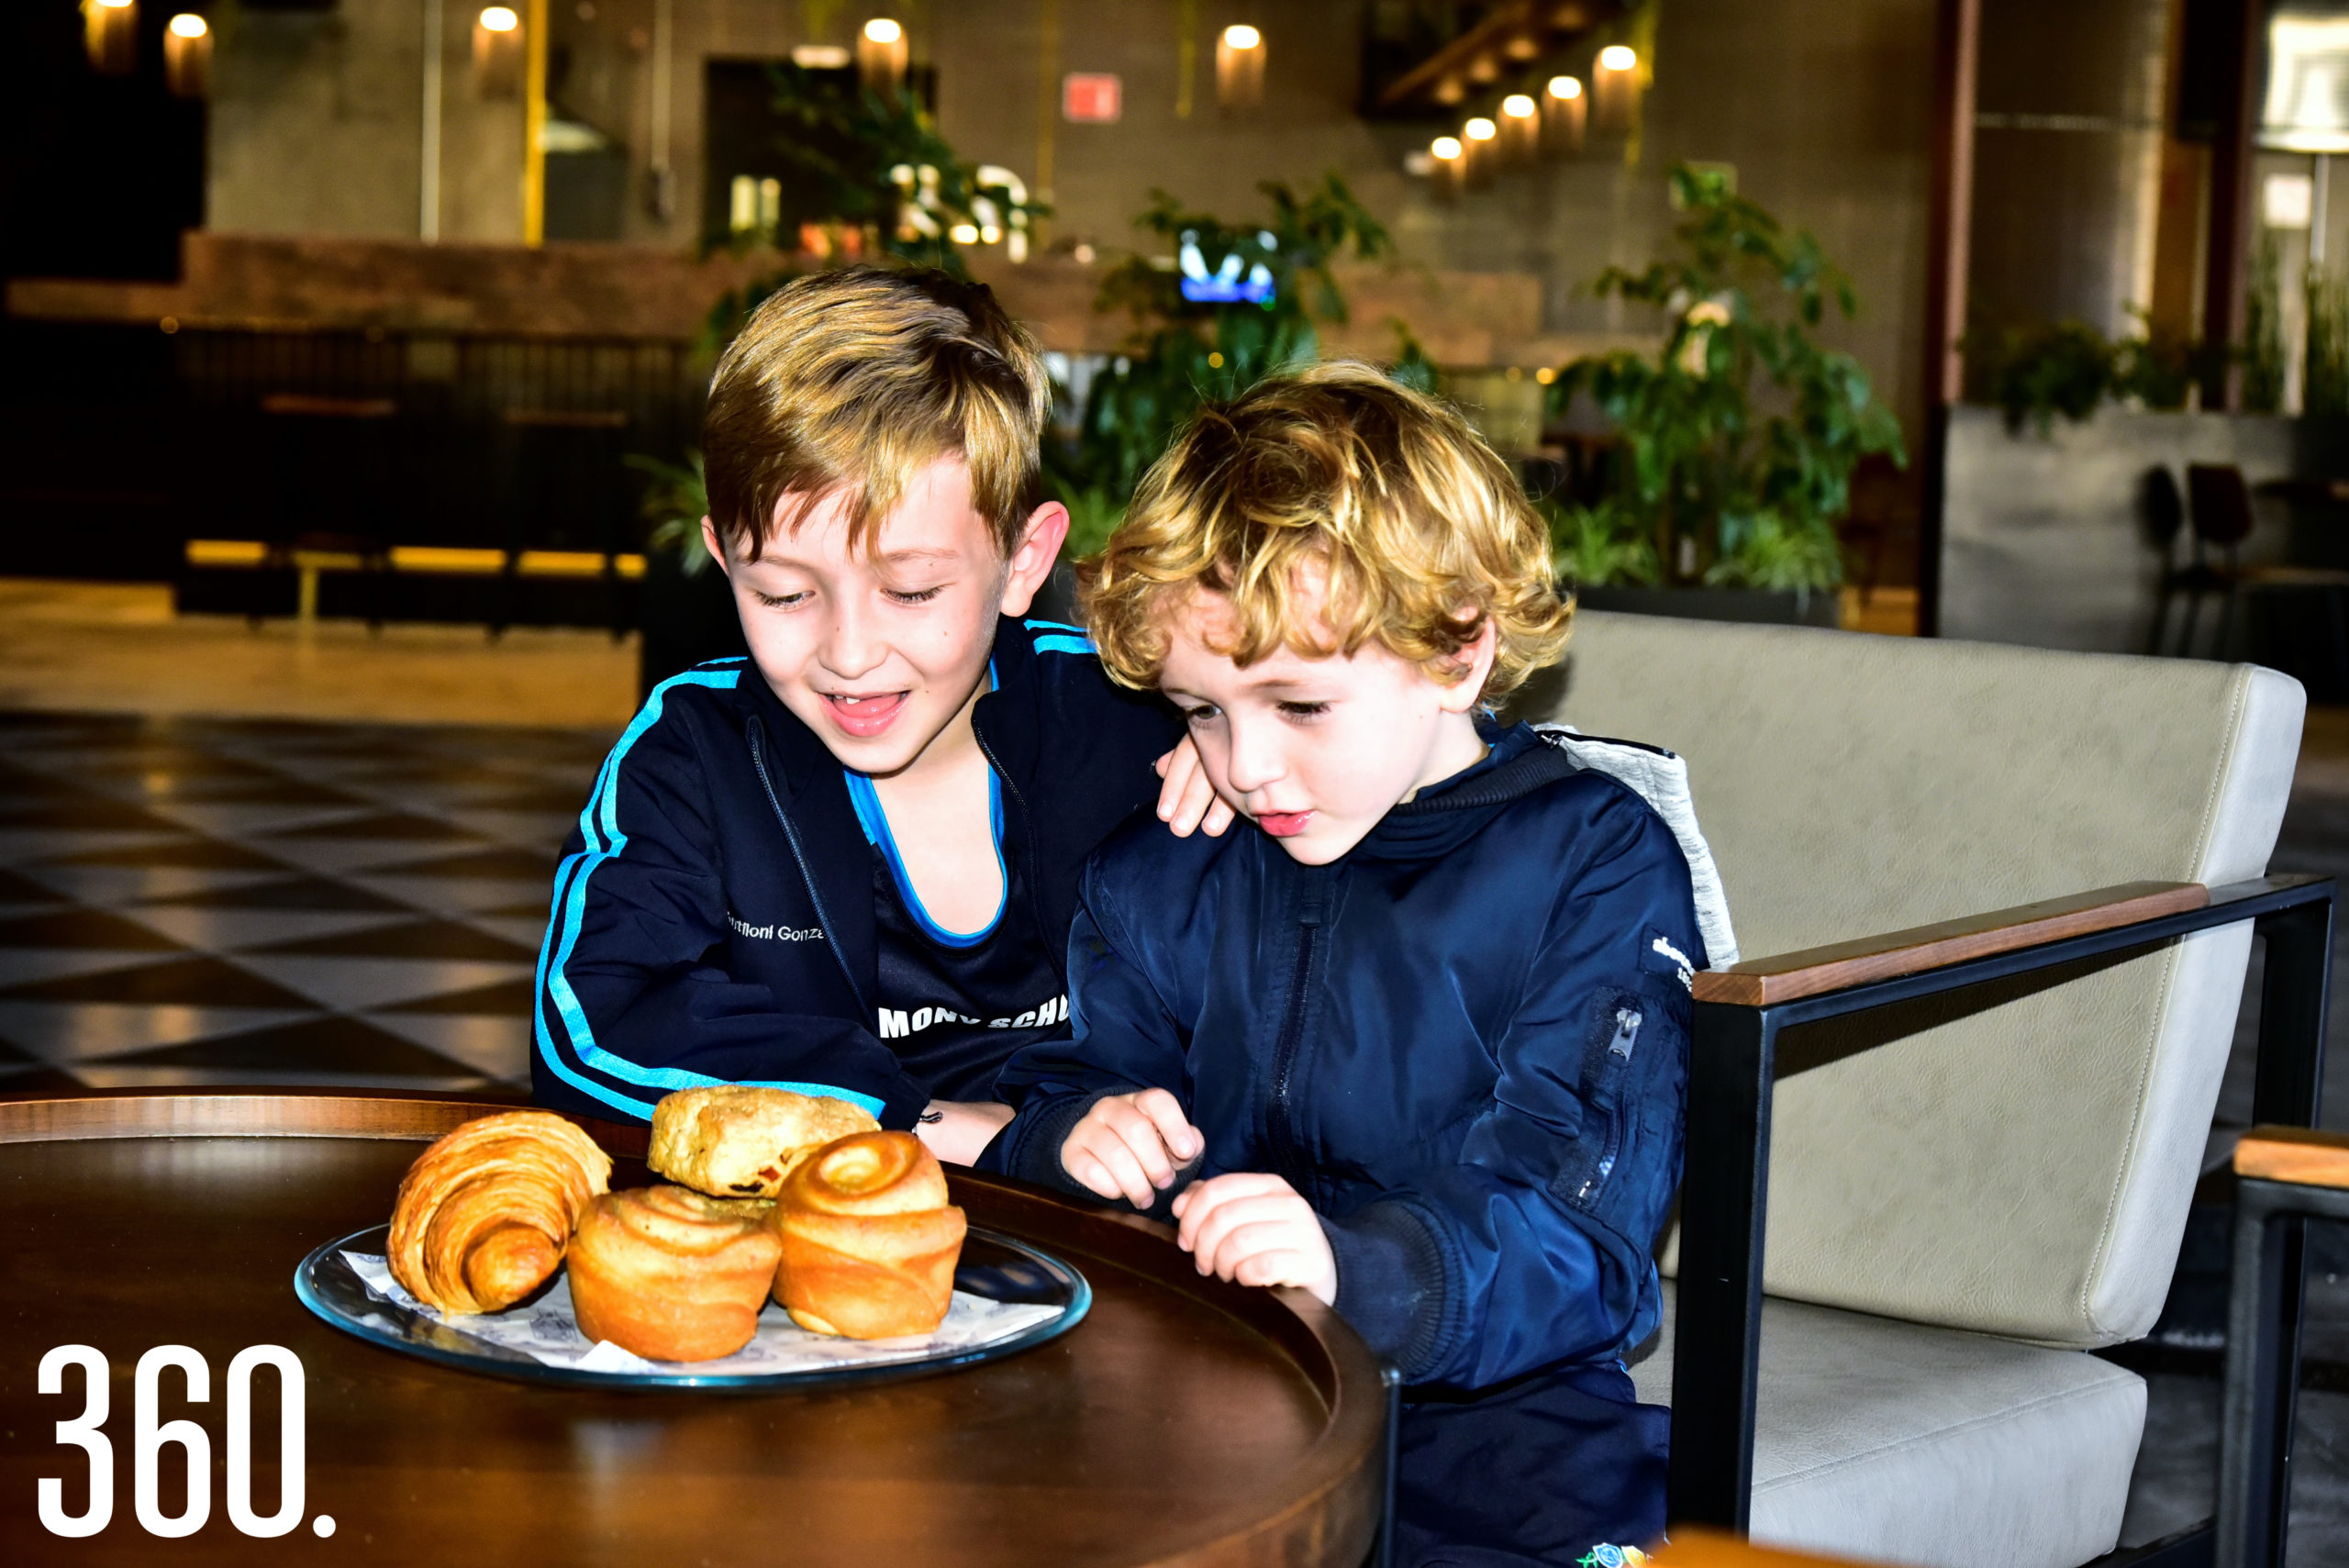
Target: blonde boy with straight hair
(846, 865)
(1415, 1042)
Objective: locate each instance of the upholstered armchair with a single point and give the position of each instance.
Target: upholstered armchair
(1942, 1147)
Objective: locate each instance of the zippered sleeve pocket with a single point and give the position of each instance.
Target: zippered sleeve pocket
(1615, 1031)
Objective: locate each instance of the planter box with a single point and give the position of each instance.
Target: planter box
(2043, 542)
(1766, 607)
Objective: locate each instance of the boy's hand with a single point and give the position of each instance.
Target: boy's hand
(1130, 1146)
(962, 1129)
(1186, 800)
(1254, 1229)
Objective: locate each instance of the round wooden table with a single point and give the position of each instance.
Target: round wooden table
(1185, 1421)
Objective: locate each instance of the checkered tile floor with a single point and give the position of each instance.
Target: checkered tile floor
(265, 902)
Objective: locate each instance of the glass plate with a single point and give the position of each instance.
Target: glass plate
(993, 1268)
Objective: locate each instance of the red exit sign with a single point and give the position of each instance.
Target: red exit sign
(1091, 97)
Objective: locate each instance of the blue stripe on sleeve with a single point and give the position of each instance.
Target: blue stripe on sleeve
(1053, 626)
(571, 901)
(1065, 645)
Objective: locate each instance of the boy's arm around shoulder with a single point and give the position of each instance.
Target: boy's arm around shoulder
(1535, 1246)
(628, 1007)
(1126, 1029)
(1100, 737)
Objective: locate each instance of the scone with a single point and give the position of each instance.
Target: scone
(670, 1274)
(869, 1240)
(732, 1140)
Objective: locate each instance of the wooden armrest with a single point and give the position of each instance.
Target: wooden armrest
(1763, 981)
(2299, 1154)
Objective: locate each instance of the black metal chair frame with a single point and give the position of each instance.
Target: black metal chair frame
(2261, 1395)
(1733, 1069)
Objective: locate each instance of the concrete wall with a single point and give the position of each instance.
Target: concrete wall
(2044, 544)
(317, 120)
(1821, 105)
(2068, 160)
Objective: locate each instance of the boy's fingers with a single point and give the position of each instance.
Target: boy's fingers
(1249, 1240)
(1142, 1140)
(1202, 1201)
(1174, 1128)
(1133, 1182)
(1175, 769)
(1219, 816)
(1088, 1172)
(1199, 1201)
(1212, 1242)
(1199, 800)
(1279, 1265)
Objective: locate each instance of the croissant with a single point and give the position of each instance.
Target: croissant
(736, 1141)
(869, 1240)
(671, 1275)
(484, 1214)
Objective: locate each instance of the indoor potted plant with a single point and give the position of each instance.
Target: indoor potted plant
(1721, 497)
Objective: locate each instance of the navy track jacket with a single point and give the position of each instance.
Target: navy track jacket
(1465, 1042)
(713, 911)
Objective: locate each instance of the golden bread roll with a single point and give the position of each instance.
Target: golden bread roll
(484, 1214)
(869, 1240)
(671, 1275)
(732, 1140)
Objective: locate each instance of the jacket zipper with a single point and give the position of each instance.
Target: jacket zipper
(1606, 1167)
(1057, 956)
(1280, 1122)
(757, 735)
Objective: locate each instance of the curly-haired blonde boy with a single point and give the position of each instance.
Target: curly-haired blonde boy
(1417, 1045)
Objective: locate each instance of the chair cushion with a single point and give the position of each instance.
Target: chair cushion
(1899, 1444)
(2020, 1158)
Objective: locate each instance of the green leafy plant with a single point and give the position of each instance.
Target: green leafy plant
(2324, 378)
(2040, 370)
(677, 499)
(1723, 490)
(1183, 351)
(881, 181)
(1092, 513)
(2037, 371)
(1598, 546)
(2160, 367)
(2263, 329)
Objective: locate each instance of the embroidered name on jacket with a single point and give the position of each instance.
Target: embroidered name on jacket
(776, 933)
(896, 1023)
(1662, 957)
